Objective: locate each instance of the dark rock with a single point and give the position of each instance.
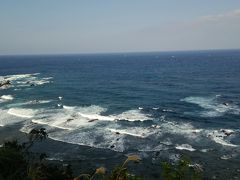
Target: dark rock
(227, 133)
(92, 120)
(68, 120)
(225, 103)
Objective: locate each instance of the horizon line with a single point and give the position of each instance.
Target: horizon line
(115, 52)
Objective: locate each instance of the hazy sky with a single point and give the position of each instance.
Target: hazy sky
(89, 26)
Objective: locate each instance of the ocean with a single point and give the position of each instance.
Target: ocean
(142, 103)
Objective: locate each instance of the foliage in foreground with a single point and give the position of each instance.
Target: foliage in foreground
(182, 170)
(17, 163)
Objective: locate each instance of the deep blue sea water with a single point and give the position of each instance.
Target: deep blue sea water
(133, 102)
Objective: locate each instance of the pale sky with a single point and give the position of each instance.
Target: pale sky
(93, 26)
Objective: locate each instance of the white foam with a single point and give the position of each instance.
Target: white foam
(6, 98)
(79, 125)
(96, 117)
(137, 132)
(167, 110)
(71, 118)
(54, 159)
(18, 76)
(92, 126)
(87, 126)
(185, 129)
(204, 150)
(220, 138)
(212, 107)
(90, 138)
(69, 107)
(8, 119)
(132, 115)
(228, 156)
(56, 124)
(25, 80)
(185, 147)
(47, 78)
(39, 102)
(40, 82)
(27, 127)
(21, 112)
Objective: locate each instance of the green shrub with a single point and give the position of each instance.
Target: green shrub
(182, 170)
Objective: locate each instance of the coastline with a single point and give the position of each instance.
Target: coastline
(84, 159)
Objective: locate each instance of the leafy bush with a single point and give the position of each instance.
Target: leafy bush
(182, 170)
(13, 164)
(17, 163)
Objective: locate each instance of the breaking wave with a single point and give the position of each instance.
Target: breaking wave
(25, 80)
(21, 112)
(8, 119)
(212, 106)
(6, 98)
(185, 147)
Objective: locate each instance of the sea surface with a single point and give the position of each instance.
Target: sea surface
(141, 103)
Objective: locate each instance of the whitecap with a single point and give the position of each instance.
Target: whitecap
(68, 107)
(21, 112)
(70, 117)
(204, 150)
(18, 76)
(137, 132)
(185, 129)
(220, 137)
(96, 117)
(132, 115)
(90, 138)
(8, 119)
(228, 156)
(57, 123)
(6, 98)
(212, 107)
(25, 80)
(167, 110)
(185, 147)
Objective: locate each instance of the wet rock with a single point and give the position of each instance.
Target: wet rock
(225, 103)
(92, 120)
(68, 120)
(227, 132)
